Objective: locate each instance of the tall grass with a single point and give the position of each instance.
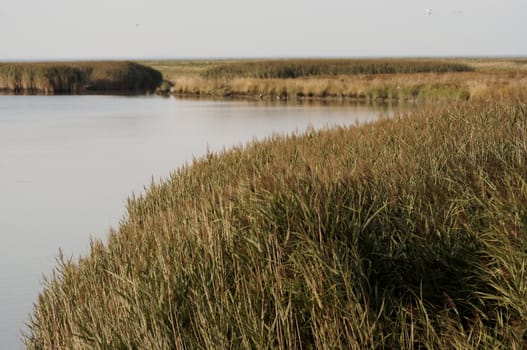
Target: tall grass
(415, 80)
(365, 88)
(409, 232)
(364, 80)
(283, 69)
(73, 77)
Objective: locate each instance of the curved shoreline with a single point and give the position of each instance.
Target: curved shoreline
(358, 226)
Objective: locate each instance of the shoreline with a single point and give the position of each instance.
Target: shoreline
(422, 207)
(297, 99)
(264, 79)
(77, 77)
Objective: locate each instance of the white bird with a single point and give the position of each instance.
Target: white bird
(429, 11)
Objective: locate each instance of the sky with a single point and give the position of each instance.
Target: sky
(135, 29)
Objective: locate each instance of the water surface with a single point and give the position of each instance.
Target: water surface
(68, 163)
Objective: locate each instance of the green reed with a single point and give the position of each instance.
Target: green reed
(296, 68)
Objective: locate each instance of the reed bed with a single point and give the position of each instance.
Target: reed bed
(356, 80)
(284, 69)
(406, 233)
(77, 77)
(389, 87)
(370, 88)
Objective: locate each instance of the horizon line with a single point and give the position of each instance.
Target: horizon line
(279, 57)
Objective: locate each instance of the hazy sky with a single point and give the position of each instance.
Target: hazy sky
(82, 29)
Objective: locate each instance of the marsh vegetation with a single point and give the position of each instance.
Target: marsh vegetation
(77, 77)
(409, 232)
(284, 69)
(330, 79)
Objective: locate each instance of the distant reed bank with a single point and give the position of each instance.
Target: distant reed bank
(77, 77)
(344, 79)
(299, 68)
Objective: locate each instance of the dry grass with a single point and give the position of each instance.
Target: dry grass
(75, 77)
(173, 69)
(405, 233)
(425, 86)
(423, 79)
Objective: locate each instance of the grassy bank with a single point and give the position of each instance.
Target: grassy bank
(405, 233)
(77, 77)
(373, 80)
(300, 68)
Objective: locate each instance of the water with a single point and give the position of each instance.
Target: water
(68, 163)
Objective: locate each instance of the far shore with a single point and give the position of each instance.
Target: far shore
(77, 77)
(373, 80)
(300, 80)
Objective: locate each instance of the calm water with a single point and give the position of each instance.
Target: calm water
(68, 163)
